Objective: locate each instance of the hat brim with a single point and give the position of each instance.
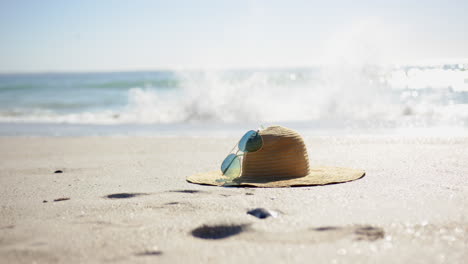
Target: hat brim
(316, 176)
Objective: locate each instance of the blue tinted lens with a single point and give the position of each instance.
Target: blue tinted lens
(231, 166)
(251, 142)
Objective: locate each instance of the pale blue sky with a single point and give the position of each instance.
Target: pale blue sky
(144, 35)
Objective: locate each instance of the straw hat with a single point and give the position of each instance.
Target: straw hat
(281, 162)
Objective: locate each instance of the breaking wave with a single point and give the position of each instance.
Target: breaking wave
(373, 95)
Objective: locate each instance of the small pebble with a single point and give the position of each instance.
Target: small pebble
(58, 171)
(262, 213)
(45, 201)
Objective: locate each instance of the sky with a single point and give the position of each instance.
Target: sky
(119, 35)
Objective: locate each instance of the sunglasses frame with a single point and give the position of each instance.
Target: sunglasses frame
(236, 155)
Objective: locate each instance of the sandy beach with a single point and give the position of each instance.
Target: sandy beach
(125, 199)
(119, 119)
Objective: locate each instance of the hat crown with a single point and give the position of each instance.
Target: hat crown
(283, 154)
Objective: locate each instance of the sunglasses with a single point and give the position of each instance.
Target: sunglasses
(251, 141)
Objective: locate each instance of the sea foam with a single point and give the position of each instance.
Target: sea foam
(367, 95)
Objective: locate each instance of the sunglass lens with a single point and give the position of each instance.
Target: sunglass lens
(251, 142)
(231, 166)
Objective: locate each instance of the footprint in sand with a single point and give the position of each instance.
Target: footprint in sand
(326, 234)
(149, 253)
(172, 203)
(369, 233)
(188, 191)
(360, 233)
(123, 195)
(218, 231)
(61, 199)
(326, 228)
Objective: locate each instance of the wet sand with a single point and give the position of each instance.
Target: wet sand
(125, 199)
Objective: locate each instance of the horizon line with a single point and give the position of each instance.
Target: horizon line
(428, 63)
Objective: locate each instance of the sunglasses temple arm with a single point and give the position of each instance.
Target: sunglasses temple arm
(234, 147)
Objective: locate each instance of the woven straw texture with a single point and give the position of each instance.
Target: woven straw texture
(281, 162)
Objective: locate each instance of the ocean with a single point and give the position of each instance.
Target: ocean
(327, 100)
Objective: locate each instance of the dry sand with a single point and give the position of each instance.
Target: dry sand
(129, 202)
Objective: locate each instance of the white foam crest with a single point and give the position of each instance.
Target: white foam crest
(342, 93)
(339, 92)
(145, 106)
(415, 78)
(256, 97)
(148, 106)
(259, 97)
(48, 116)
